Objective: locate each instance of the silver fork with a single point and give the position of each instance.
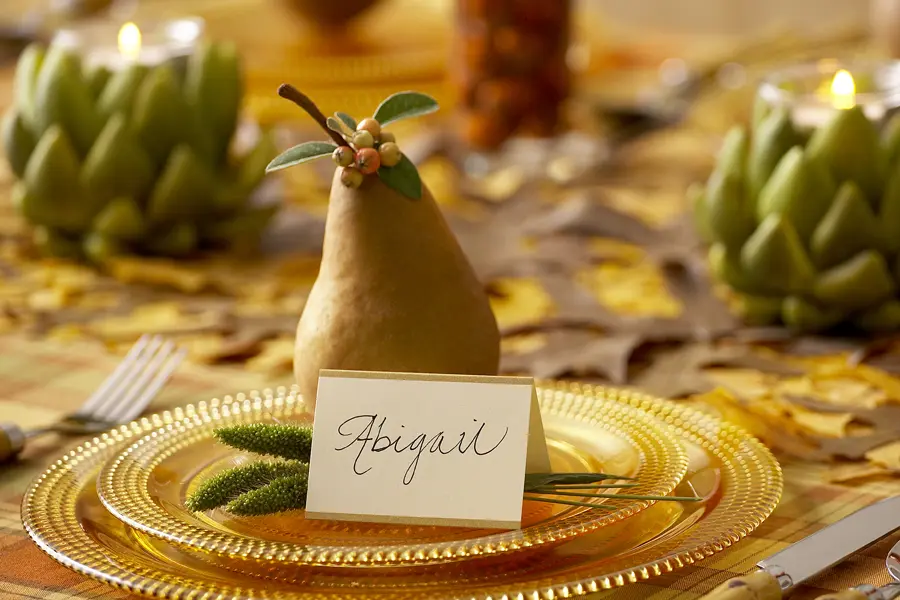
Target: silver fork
(120, 398)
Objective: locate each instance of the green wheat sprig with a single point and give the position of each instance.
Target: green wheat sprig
(268, 487)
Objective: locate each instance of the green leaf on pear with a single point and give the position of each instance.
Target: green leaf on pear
(18, 141)
(25, 79)
(62, 97)
(404, 105)
(861, 282)
(803, 316)
(301, 153)
(121, 219)
(773, 138)
(800, 189)
(849, 146)
(403, 178)
(349, 121)
(117, 165)
(338, 127)
(774, 254)
(183, 191)
(120, 92)
(53, 193)
(848, 227)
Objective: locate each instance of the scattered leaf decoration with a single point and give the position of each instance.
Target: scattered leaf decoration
(404, 105)
(349, 121)
(403, 178)
(300, 154)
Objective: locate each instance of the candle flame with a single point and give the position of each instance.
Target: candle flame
(130, 40)
(843, 90)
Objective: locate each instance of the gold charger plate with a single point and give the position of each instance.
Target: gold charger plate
(738, 478)
(146, 485)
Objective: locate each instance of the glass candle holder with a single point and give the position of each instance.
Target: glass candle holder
(115, 45)
(812, 92)
(511, 68)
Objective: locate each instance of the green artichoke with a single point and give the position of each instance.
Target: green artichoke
(138, 161)
(805, 229)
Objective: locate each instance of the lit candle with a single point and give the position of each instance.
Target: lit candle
(814, 92)
(115, 46)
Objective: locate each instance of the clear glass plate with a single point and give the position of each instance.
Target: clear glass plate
(146, 485)
(738, 478)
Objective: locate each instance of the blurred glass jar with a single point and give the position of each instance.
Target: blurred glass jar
(510, 68)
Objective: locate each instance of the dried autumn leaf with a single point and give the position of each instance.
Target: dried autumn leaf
(855, 472)
(887, 455)
(158, 272)
(833, 425)
(517, 301)
(276, 357)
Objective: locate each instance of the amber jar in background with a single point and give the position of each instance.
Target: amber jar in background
(510, 68)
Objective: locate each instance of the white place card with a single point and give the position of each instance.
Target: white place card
(424, 449)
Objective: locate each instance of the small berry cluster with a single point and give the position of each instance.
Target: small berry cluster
(369, 149)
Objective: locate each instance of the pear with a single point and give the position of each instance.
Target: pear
(849, 147)
(884, 318)
(889, 213)
(774, 255)
(394, 293)
(61, 97)
(728, 213)
(849, 227)
(53, 193)
(121, 219)
(213, 88)
(179, 240)
(861, 282)
(120, 92)
(117, 165)
(161, 117)
(18, 142)
(773, 137)
(184, 189)
(800, 189)
(800, 315)
(27, 69)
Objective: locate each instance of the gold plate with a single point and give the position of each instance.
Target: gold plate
(145, 486)
(738, 478)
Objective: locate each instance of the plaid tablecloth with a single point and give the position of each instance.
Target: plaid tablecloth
(41, 380)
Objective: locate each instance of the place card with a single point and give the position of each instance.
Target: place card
(424, 449)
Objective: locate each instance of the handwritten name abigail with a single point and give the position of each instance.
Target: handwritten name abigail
(366, 439)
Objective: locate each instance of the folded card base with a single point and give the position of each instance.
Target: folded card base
(426, 521)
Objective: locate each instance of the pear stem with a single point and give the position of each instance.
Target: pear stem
(289, 92)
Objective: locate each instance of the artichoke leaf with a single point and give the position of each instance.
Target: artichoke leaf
(100, 248)
(860, 282)
(214, 90)
(18, 141)
(758, 311)
(119, 94)
(180, 239)
(121, 219)
(847, 228)
(184, 191)
(803, 316)
(728, 213)
(726, 267)
(696, 195)
(161, 118)
(801, 190)
(117, 165)
(97, 78)
(775, 255)
(883, 318)
(773, 138)
(849, 146)
(889, 214)
(52, 243)
(25, 79)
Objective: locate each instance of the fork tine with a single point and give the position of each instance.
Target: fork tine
(128, 411)
(124, 381)
(92, 404)
(126, 404)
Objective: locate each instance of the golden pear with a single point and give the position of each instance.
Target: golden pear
(394, 293)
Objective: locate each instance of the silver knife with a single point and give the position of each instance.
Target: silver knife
(815, 553)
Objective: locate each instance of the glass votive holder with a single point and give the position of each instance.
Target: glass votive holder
(813, 92)
(114, 45)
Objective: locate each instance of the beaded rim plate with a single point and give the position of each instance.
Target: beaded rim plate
(124, 486)
(60, 503)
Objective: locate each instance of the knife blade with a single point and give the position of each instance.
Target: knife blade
(813, 554)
